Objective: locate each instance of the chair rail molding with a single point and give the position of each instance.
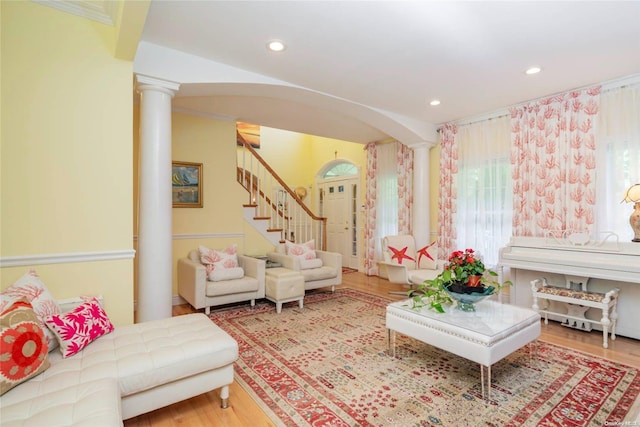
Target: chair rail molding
(203, 236)
(63, 258)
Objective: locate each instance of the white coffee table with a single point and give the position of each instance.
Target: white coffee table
(485, 336)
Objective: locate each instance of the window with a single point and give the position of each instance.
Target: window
(341, 169)
(618, 161)
(484, 191)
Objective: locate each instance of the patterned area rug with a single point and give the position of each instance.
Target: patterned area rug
(328, 365)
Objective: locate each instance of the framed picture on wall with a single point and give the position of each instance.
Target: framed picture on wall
(186, 185)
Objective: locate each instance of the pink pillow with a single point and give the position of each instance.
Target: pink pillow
(76, 329)
(217, 262)
(44, 305)
(227, 258)
(305, 250)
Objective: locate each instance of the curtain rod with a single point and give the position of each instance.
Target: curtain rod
(608, 86)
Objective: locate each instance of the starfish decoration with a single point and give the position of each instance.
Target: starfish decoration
(400, 254)
(425, 252)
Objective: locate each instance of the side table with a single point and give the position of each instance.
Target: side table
(284, 285)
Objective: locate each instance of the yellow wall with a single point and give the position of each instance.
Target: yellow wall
(219, 222)
(295, 157)
(66, 152)
(298, 158)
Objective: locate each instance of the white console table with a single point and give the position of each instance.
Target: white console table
(606, 264)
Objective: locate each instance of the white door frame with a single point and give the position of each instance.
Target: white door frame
(353, 261)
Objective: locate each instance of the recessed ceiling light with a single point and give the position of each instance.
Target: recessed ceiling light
(276, 46)
(533, 70)
(435, 102)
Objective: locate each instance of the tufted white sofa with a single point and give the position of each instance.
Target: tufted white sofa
(130, 371)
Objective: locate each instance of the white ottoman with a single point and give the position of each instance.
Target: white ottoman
(284, 285)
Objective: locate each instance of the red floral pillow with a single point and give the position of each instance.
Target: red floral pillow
(24, 348)
(76, 329)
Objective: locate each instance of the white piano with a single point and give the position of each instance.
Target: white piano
(603, 262)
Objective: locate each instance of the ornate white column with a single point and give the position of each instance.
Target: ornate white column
(155, 260)
(421, 194)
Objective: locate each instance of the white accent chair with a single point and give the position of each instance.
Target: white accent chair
(406, 271)
(200, 292)
(329, 274)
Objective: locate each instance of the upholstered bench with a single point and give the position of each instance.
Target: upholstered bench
(577, 303)
(284, 285)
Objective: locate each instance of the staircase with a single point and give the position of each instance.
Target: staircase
(272, 208)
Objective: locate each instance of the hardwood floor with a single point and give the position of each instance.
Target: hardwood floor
(204, 410)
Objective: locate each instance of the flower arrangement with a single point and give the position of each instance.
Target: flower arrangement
(464, 265)
(464, 269)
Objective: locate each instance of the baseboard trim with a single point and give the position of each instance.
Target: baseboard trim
(65, 258)
(175, 300)
(178, 300)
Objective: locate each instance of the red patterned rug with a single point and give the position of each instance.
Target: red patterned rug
(328, 365)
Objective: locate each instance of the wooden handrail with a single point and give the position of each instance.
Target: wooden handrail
(246, 182)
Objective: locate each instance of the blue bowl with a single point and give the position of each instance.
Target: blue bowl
(465, 301)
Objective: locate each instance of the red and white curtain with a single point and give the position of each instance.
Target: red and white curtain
(448, 190)
(553, 159)
(405, 185)
(388, 197)
(371, 184)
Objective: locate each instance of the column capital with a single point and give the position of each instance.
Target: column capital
(422, 144)
(151, 83)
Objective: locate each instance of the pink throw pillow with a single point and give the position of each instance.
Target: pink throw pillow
(217, 261)
(305, 250)
(76, 329)
(227, 258)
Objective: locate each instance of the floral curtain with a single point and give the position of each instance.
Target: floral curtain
(553, 160)
(388, 197)
(448, 190)
(405, 188)
(370, 265)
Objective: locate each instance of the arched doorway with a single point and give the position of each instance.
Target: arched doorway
(338, 184)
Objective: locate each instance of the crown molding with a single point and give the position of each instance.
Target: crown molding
(104, 11)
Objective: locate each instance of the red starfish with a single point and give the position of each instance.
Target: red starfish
(400, 254)
(425, 251)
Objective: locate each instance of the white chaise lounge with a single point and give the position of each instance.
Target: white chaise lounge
(130, 371)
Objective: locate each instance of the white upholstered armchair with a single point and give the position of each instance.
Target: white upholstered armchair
(325, 272)
(405, 264)
(195, 287)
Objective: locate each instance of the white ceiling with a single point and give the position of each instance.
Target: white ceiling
(362, 71)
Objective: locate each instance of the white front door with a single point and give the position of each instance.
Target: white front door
(339, 206)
